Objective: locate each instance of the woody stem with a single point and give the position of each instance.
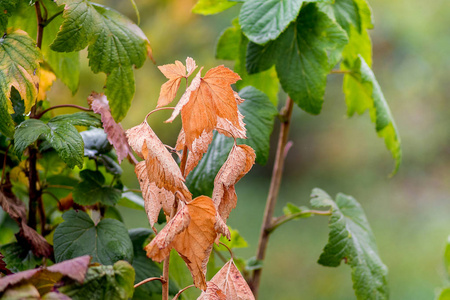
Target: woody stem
(277, 174)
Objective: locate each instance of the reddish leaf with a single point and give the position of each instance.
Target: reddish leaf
(3, 268)
(239, 162)
(74, 268)
(213, 292)
(230, 281)
(114, 132)
(191, 232)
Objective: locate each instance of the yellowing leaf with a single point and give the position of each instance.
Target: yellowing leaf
(46, 79)
(161, 167)
(230, 281)
(239, 162)
(206, 101)
(174, 72)
(114, 131)
(191, 232)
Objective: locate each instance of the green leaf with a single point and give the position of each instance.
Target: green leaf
(27, 133)
(104, 282)
(66, 140)
(259, 115)
(303, 55)
(78, 119)
(145, 267)
(19, 107)
(345, 12)
(236, 240)
(447, 257)
(352, 240)
(232, 45)
(107, 242)
(265, 21)
(91, 190)
(444, 294)
(291, 209)
(17, 258)
(253, 264)
(115, 46)
(19, 68)
(6, 8)
(363, 93)
(210, 7)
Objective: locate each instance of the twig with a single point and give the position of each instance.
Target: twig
(157, 109)
(40, 25)
(284, 219)
(62, 105)
(182, 290)
(229, 250)
(148, 280)
(52, 18)
(277, 173)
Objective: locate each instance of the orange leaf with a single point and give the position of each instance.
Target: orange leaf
(199, 147)
(206, 101)
(230, 281)
(212, 292)
(174, 72)
(114, 132)
(239, 162)
(154, 197)
(161, 167)
(191, 232)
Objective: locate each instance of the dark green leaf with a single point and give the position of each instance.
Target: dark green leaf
(265, 21)
(78, 119)
(6, 8)
(19, 67)
(95, 142)
(259, 114)
(345, 12)
(104, 282)
(92, 190)
(107, 242)
(352, 240)
(115, 46)
(228, 44)
(210, 7)
(145, 267)
(113, 213)
(17, 258)
(110, 164)
(363, 93)
(304, 54)
(66, 140)
(27, 133)
(18, 105)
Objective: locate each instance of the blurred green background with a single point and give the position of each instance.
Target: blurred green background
(409, 213)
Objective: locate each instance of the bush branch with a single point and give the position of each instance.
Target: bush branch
(148, 280)
(182, 290)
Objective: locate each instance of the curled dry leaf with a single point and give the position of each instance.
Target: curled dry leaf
(174, 72)
(230, 281)
(239, 162)
(193, 240)
(114, 131)
(160, 165)
(154, 197)
(17, 211)
(205, 101)
(213, 292)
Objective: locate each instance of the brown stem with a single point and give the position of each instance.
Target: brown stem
(148, 280)
(62, 105)
(40, 24)
(4, 163)
(277, 173)
(182, 290)
(229, 250)
(33, 193)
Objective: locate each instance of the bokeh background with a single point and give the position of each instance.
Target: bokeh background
(409, 213)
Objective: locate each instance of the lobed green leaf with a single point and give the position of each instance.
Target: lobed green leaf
(352, 240)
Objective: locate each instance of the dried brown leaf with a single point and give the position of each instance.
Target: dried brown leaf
(239, 162)
(114, 131)
(160, 165)
(231, 282)
(26, 236)
(154, 197)
(213, 292)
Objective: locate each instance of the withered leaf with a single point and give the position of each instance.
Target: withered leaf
(155, 198)
(73, 268)
(239, 162)
(114, 131)
(230, 281)
(174, 72)
(191, 232)
(26, 236)
(199, 147)
(160, 165)
(207, 100)
(213, 292)
(3, 268)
